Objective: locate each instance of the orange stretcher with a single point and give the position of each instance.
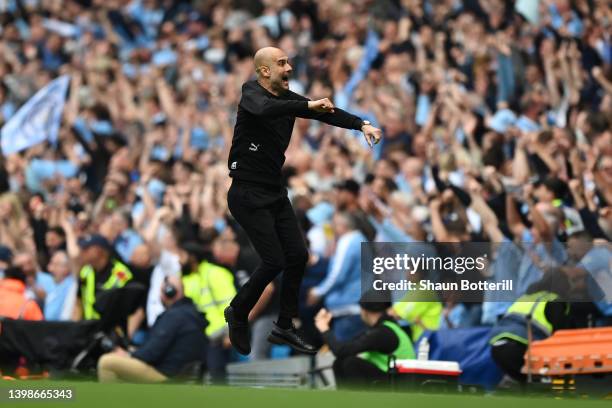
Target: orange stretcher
(571, 352)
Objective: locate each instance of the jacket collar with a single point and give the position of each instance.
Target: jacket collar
(384, 318)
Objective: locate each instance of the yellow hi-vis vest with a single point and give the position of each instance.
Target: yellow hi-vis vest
(211, 288)
(403, 351)
(120, 275)
(534, 305)
(422, 310)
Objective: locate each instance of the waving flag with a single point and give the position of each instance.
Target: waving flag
(38, 120)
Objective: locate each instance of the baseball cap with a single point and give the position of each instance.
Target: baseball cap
(348, 185)
(373, 301)
(94, 240)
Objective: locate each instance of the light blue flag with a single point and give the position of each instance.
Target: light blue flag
(37, 120)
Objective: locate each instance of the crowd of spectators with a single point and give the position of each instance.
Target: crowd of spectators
(496, 119)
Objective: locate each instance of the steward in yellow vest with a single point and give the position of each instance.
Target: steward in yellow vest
(365, 360)
(211, 287)
(510, 336)
(422, 310)
(99, 272)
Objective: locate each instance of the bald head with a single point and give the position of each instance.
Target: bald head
(266, 56)
(273, 69)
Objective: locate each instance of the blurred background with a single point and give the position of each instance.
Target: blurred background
(496, 119)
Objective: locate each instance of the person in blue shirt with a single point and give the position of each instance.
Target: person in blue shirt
(593, 267)
(341, 288)
(127, 239)
(60, 299)
(541, 248)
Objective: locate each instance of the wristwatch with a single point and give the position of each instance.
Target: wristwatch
(365, 122)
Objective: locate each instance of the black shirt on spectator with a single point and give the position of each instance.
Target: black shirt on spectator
(377, 338)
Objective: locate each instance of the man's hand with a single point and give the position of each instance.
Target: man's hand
(322, 320)
(371, 134)
(435, 204)
(38, 291)
(322, 105)
(474, 187)
(164, 214)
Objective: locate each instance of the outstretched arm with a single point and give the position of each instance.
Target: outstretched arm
(338, 117)
(259, 102)
(324, 111)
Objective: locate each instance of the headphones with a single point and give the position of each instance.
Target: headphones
(169, 289)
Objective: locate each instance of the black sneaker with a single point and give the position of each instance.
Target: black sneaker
(291, 338)
(238, 331)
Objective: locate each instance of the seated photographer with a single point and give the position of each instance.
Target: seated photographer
(365, 360)
(542, 311)
(176, 339)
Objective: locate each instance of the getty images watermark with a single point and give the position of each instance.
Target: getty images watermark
(458, 265)
(473, 272)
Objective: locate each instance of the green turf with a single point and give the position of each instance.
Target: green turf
(92, 395)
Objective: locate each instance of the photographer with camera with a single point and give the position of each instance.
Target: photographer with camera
(176, 340)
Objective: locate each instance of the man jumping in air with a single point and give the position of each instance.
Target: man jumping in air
(257, 198)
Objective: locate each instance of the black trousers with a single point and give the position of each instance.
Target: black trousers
(217, 358)
(509, 356)
(355, 372)
(266, 215)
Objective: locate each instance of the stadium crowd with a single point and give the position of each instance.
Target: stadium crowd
(497, 127)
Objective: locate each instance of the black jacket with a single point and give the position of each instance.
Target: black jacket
(176, 338)
(263, 131)
(376, 338)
